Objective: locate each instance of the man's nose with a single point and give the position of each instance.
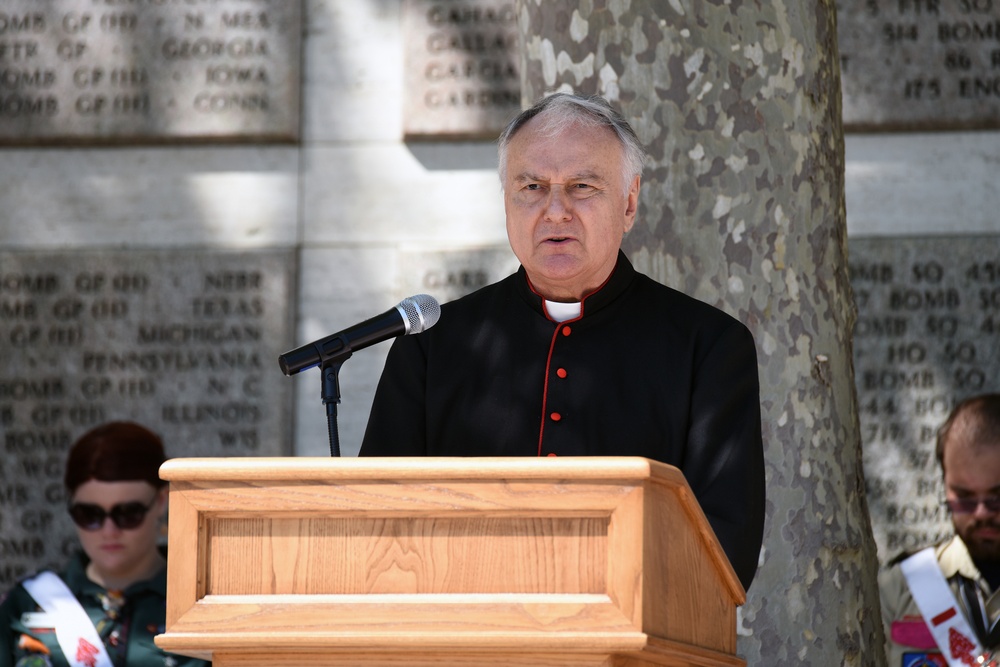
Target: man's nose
(557, 205)
(982, 509)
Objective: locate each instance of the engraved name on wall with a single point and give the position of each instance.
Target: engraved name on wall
(916, 64)
(184, 342)
(451, 274)
(462, 74)
(83, 71)
(927, 336)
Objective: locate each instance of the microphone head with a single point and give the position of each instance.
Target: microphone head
(420, 311)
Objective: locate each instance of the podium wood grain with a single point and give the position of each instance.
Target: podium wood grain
(464, 561)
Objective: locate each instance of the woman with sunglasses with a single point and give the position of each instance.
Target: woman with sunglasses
(105, 608)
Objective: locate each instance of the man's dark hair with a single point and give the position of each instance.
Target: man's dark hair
(976, 418)
(562, 110)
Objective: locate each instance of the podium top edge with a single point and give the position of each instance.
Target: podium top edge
(373, 468)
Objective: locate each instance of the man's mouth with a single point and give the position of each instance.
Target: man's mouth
(987, 531)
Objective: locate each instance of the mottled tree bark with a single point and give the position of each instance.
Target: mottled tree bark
(742, 206)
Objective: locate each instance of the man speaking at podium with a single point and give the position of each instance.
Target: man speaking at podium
(577, 354)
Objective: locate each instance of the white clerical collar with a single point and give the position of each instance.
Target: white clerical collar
(560, 312)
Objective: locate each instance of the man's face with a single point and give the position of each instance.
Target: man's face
(972, 471)
(567, 207)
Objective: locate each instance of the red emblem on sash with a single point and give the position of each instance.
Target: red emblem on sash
(961, 647)
(87, 653)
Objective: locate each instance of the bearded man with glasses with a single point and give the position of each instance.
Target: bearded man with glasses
(941, 606)
(104, 609)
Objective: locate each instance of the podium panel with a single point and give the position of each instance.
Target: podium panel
(455, 561)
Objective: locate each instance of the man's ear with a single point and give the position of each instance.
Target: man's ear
(632, 203)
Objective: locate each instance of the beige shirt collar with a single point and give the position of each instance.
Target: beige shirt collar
(954, 558)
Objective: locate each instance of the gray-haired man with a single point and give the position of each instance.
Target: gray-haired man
(577, 353)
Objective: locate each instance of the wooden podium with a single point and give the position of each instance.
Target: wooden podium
(602, 561)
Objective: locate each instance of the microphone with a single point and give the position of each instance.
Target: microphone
(411, 316)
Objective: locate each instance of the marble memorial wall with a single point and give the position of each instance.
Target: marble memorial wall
(928, 307)
(905, 65)
(927, 336)
(81, 71)
(920, 64)
(450, 274)
(186, 341)
(183, 342)
(462, 72)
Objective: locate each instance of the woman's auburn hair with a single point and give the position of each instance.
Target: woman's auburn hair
(115, 452)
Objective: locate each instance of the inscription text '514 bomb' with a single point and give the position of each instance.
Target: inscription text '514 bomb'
(920, 63)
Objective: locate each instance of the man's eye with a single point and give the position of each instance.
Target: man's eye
(533, 186)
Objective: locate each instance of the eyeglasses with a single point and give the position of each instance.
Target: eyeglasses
(970, 505)
(127, 516)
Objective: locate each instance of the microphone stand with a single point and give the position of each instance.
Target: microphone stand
(331, 397)
(330, 377)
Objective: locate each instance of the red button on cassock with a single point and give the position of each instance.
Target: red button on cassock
(567, 330)
(561, 372)
(555, 416)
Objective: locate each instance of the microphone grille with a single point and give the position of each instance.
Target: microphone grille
(421, 312)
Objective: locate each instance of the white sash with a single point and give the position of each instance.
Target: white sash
(75, 633)
(941, 612)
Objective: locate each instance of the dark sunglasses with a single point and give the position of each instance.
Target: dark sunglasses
(970, 505)
(127, 516)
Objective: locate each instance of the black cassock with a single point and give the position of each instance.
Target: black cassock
(644, 371)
